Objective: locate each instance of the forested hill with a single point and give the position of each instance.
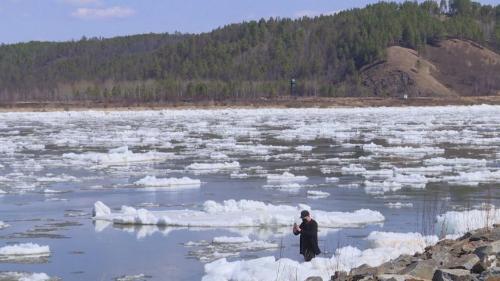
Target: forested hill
(327, 56)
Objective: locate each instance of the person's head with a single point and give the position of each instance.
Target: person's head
(304, 215)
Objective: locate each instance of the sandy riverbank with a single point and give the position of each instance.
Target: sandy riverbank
(261, 103)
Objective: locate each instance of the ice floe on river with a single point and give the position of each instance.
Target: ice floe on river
(116, 156)
(285, 177)
(243, 213)
(24, 276)
(459, 222)
(316, 194)
(213, 167)
(374, 149)
(153, 183)
(3, 225)
(24, 253)
(389, 150)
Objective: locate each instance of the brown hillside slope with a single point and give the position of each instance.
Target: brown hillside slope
(454, 67)
(466, 67)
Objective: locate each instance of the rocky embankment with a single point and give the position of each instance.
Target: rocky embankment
(474, 256)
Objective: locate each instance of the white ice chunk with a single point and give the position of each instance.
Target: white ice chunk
(331, 179)
(218, 156)
(117, 156)
(411, 180)
(402, 151)
(354, 169)
(473, 178)
(286, 177)
(243, 213)
(52, 191)
(375, 187)
(168, 183)
(399, 205)
(213, 167)
(304, 148)
(23, 276)
(3, 225)
(317, 194)
(239, 175)
(101, 210)
(456, 162)
(25, 249)
(459, 222)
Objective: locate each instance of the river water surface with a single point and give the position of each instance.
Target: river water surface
(407, 164)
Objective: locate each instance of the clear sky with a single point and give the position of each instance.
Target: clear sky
(58, 20)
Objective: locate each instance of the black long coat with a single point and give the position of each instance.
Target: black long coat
(308, 237)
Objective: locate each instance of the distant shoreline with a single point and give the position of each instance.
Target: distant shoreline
(285, 102)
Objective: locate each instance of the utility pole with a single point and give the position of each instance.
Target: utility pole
(293, 85)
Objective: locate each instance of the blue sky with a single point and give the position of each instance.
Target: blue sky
(58, 20)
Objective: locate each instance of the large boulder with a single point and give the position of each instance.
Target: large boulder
(495, 247)
(395, 266)
(486, 255)
(452, 275)
(423, 269)
(463, 262)
(363, 271)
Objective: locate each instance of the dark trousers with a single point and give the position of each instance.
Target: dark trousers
(309, 255)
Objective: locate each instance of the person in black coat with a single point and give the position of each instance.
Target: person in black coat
(308, 231)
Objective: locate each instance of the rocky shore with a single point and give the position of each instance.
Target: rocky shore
(473, 257)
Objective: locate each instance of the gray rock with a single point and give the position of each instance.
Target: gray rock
(395, 266)
(314, 278)
(483, 252)
(495, 247)
(421, 269)
(362, 271)
(442, 257)
(491, 274)
(486, 255)
(463, 262)
(479, 267)
(394, 277)
(452, 275)
(339, 276)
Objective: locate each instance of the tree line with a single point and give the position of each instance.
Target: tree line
(248, 60)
